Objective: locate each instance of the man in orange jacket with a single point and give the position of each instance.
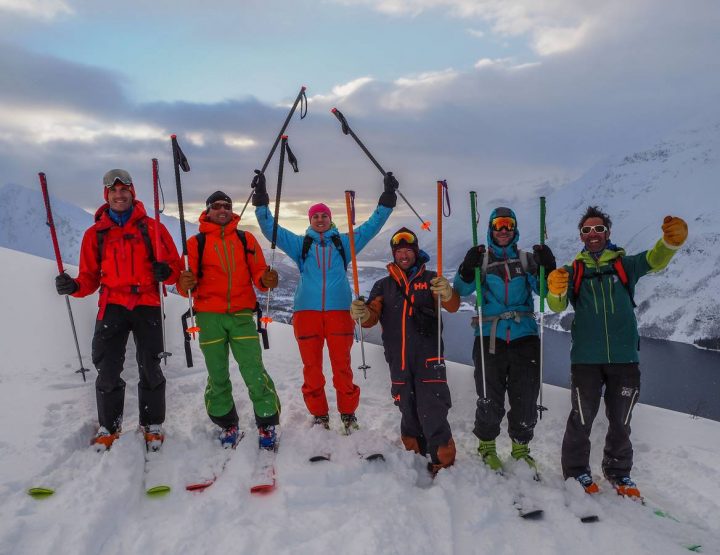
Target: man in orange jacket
(118, 256)
(225, 263)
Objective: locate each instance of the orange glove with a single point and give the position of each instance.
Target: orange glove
(187, 280)
(269, 278)
(675, 231)
(557, 282)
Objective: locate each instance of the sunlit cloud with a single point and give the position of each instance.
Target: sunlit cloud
(240, 142)
(40, 9)
(344, 90)
(477, 33)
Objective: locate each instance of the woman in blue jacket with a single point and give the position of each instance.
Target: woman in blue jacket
(323, 297)
(510, 342)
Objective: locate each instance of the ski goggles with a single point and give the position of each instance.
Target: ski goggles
(600, 228)
(502, 222)
(220, 205)
(402, 236)
(113, 176)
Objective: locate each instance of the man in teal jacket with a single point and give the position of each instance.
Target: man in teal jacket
(605, 343)
(323, 297)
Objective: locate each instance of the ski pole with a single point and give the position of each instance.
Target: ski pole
(180, 162)
(442, 193)
(161, 288)
(543, 293)
(350, 207)
(348, 131)
(283, 147)
(300, 99)
(61, 270)
(478, 288)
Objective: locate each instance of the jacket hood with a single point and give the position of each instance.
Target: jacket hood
(103, 221)
(512, 246)
(325, 234)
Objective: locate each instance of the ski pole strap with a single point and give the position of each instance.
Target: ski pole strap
(260, 329)
(352, 207)
(180, 162)
(446, 199)
(291, 158)
(188, 339)
(510, 315)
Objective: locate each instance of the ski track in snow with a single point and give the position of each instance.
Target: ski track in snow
(348, 504)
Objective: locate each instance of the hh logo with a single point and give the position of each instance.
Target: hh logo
(421, 285)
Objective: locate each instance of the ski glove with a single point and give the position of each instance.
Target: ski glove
(359, 311)
(161, 271)
(65, 285)
(544, 257)
(558, 282)
(260, 195)
(187, 280)
(675, 231)
(389, 196)
(473, 259)
(441, 287)
(269, 279)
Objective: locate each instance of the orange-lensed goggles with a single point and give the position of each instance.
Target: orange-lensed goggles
(503, 222)
(402, 236)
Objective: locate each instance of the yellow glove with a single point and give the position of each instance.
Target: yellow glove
(269, 278)
(675, 231)
(441, 287)
(557, 282)
(187, 280)
(359, 311)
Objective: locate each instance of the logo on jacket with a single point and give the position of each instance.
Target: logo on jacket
(421, 285)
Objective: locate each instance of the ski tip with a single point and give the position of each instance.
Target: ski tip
(535, 514)
(200, 486)
(318, 458)
(158, 491)
(589, 518)
(40, 492)
(375, 457)
(263, 489)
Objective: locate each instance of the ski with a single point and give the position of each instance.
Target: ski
(527, 513)
(155, 477)
(366, 457)
(204, 483)
(263, 476)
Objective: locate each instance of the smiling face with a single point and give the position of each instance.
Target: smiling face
(120, 198)
(320, 222)
(220, 212)
(503, 237)
(405, 258)
(594, 241)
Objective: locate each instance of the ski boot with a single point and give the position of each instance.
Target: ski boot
(323, 421)
(521, 452)
(625, 486)
(586, 481)
(154, 437)
(350, 423)
(267, 437)
(103, 440)
(488, 452)
(229, 437)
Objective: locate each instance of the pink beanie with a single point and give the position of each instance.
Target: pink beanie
(317, 208)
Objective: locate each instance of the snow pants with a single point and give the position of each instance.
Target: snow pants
(515, 369)
(421, 392)
(236, 332)
(622, 389)
(108, 356)
(312, 329)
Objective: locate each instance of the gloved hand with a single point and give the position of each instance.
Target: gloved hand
(260, 195)
(441, 286)
(389, 196)
(161, 271)
(544, 257)
(359, 311)
(473, 259)
(187, 280)
(675, 231)
(269, 278)
(65, 285)
(558, 282)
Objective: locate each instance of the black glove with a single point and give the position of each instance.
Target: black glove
(389, 196)
(65, 285)
(161, 271)
(260, 195)
(473, 259)
(544, 257)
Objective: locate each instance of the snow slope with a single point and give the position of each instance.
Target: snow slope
(47, 415)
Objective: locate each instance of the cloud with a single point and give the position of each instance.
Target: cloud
(40, 9)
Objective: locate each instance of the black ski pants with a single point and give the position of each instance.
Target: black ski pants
(422, 394)
(622, 389)
(515, 369)
(108, 355)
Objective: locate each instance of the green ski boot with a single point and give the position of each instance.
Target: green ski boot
(488, 452)
(521, 452)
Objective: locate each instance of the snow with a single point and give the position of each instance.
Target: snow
(347, 505)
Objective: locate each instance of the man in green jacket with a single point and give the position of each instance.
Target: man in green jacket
(600, 284)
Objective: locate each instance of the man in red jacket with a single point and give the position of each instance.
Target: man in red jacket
(118, 256)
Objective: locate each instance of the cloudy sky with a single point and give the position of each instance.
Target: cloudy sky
(501, 96)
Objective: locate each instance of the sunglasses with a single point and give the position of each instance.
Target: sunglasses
(113, 176)
(402, 236)
(220, 205)
(600, 228)
(503, 222)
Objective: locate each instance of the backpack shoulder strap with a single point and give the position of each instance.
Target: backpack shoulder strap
(341, 249)
(200, 238)
(578, 272)
(623, 277)
(485, 262)
(142, 226)
(100, 233)
(524, 260)
(307, 243)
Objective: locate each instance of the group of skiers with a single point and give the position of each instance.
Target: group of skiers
(226, 265)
